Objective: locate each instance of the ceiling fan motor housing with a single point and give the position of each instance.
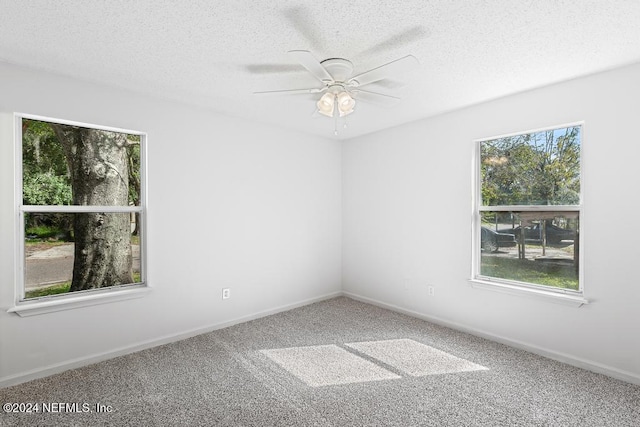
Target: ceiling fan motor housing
(339, 68)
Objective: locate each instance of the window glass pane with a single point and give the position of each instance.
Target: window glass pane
(541, 168)
(107, 244)
(533, 247)
(73, 165)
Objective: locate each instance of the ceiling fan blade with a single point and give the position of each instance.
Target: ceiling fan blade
(374, 97)
(398, 40)
(302, 19)
(401, 65)
(314, 66)
(291, 91)
(388, 84)
(272, 68)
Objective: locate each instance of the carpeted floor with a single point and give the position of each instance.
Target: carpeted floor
(334, 363)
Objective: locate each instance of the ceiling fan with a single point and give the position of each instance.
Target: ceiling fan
(339, 87)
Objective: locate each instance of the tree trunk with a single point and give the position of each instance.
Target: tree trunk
(99, 176)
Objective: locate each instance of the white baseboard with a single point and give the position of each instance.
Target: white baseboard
(551, 354)
(95, 358)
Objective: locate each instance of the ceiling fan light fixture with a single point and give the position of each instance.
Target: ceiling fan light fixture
(345, 103)
(325, 104)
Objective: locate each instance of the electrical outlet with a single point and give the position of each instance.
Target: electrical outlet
(431, 291)
(226, 293)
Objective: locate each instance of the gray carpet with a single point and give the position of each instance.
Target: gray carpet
(334, 363)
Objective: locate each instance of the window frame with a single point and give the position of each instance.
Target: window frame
(561, 295)
(51, 303)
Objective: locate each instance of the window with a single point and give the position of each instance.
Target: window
(527, 216)
(81, 216)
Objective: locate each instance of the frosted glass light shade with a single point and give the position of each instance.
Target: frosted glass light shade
(345, 103)
(325, 104)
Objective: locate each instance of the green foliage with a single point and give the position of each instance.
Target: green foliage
(46, 189)
(41, 151)
(45, 178)
(42, 232)
(532, 169)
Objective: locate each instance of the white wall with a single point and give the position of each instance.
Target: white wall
(407, 201)
(231, 204)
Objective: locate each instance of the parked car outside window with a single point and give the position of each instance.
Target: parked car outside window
(491, 240)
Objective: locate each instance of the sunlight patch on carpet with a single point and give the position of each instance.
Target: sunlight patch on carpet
(414, 358)
(323, 365)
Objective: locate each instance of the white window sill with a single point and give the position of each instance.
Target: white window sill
(43, 306)
(551, 296)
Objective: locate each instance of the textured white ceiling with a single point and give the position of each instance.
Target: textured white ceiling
(216, 53)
